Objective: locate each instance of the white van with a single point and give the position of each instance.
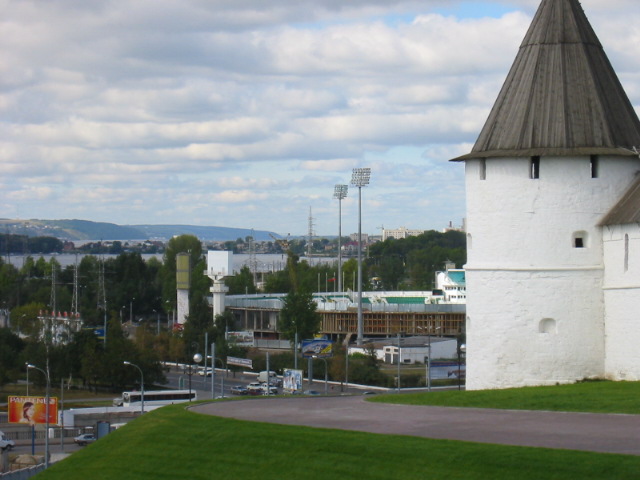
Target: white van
(271, 375)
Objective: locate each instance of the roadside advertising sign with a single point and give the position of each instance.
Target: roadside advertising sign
(317, 348)
(242, 362)
(242, 339)
(32, 410)
(292, 381)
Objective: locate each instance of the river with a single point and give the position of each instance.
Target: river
(264, 262)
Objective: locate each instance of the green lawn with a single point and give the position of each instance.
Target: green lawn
(595, 397)
(173, 443)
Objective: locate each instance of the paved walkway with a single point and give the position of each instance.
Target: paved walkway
(576, 431)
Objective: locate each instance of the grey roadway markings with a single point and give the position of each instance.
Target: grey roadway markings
(576, 431)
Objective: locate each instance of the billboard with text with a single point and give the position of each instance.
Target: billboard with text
(32, 410)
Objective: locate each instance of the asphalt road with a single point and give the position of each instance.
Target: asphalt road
(575, 431)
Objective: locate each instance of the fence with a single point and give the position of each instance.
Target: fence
(24, 435)
(23, 473)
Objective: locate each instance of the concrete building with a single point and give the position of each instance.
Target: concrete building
(553, 271)
(398, 233)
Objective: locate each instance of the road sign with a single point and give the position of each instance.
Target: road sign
(317, 348)
(242, 362)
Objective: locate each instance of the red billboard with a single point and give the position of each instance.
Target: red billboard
(32, 410)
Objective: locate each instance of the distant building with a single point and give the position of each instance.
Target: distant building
(461, 228)
(399, 233)
(452, 284)
(354, 238)
(413, 349)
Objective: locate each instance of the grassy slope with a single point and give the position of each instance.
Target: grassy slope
(173, 443)
(595, 397)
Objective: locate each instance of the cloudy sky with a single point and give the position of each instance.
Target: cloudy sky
(246, 113)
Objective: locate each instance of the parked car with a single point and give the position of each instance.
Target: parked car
(5, 443)
(239, 390)
(312, 392)
(254, 388)
(85, 439)
(204, 373)
(272, 389)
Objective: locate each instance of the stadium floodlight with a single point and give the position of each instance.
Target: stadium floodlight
(340, 193)
(360, 178)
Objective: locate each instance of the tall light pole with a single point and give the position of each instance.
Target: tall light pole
(399, 355)
(46, 437)
(429, 359)
(196, 358)
(339, 193)
(326, 376)
(141, 384)
(360, 178)
(213, 372)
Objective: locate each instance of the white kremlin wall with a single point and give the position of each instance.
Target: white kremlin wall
(535, 305)
(622, 301)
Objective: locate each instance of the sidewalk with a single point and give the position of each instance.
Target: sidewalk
(575, 431)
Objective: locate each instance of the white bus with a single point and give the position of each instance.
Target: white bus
(154, 397)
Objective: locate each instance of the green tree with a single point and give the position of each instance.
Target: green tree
(11, 347)
(241, 283)
(299, 315)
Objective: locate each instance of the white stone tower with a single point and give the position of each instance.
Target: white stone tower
(183, 284)
(219, 266)
(553, 158)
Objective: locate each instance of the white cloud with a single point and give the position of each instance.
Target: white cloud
(201, 111)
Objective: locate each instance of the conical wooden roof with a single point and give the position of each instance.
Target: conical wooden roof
(562, 96)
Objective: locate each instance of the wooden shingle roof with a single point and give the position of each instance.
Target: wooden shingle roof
(561, 96)
(627, 210)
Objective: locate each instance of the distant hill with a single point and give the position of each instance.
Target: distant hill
(216, 234)
(76, 230)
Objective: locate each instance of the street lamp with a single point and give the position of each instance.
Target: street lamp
(360, 178)
(213, 372)
(141, 383)
(399, 355)
(46, 437)
(196, 358)
(157, 321)
(429, 360)
(326, 378)
(26, 364)
(339, 193)
(462, 349)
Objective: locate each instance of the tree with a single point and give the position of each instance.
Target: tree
(10, 348)
(299, 315)
(241, 283)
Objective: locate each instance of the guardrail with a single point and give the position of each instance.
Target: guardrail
(23, 473)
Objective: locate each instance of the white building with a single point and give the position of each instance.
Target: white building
(452, 283)
(412, 349)
(553, 242)
(398, 233)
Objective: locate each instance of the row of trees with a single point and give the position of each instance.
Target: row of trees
(144, 291)
(411, 263)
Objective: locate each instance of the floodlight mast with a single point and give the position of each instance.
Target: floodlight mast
(340, 193)
(360, 178)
